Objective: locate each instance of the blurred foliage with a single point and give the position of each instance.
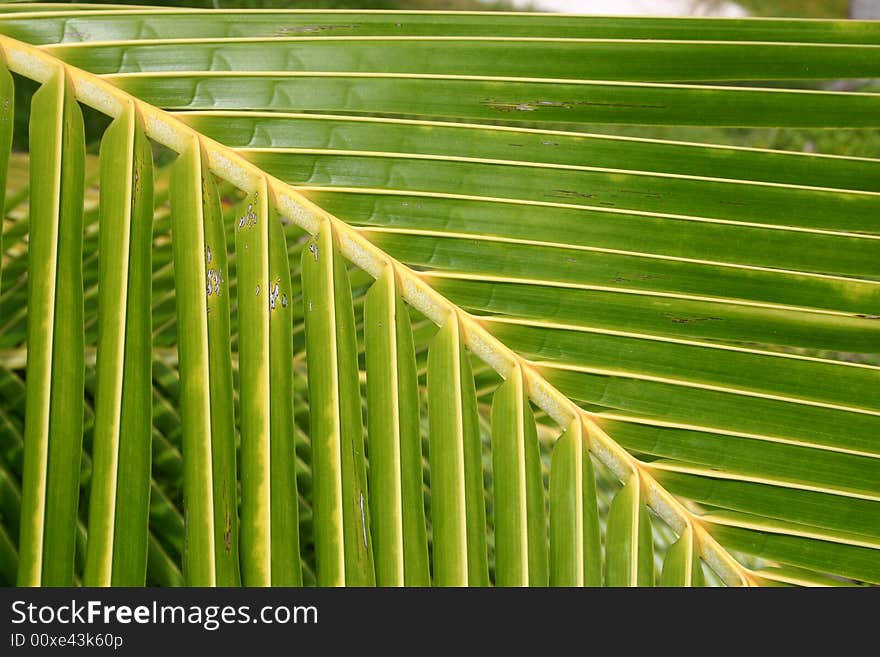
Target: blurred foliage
(797, 8)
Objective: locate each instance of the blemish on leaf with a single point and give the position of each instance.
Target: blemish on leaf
(314, 249)
(250, 217)
(274, 293)
(688, 320)
(568, 193)
(214, 278)
(295, 29)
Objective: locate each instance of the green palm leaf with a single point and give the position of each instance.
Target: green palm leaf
(698, 321)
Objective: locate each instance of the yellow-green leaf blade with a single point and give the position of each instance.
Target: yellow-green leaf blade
(536, 503)
(252, 258)
(121, 449)
(417, 570)
(457, 507)
(286, 568)
(681, 567)
(396, 499)
(320, 321)
(575, 539)
(342, 540)
(195, 397)
(520, 519)
(223, 466)
(54, 404)
(629, 544)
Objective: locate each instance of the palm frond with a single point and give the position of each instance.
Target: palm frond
(699, 319)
